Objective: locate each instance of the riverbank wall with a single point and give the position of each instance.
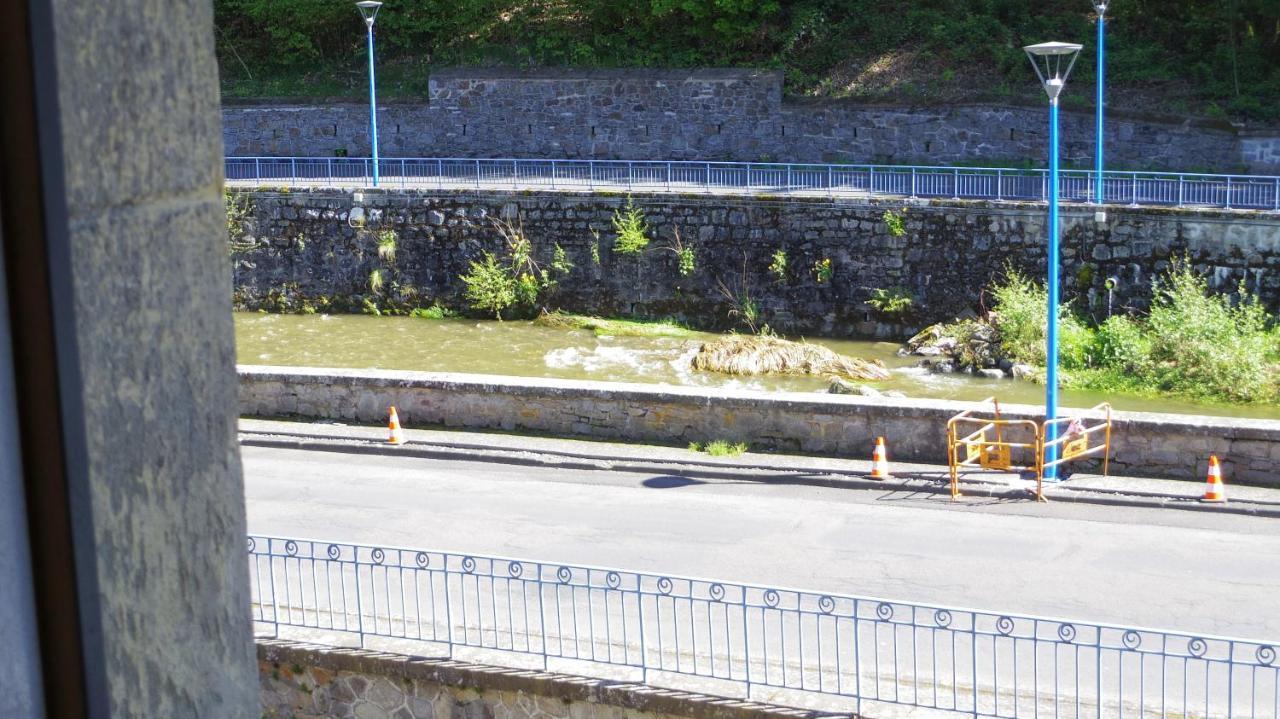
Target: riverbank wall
(719, 114)
(1144, 444)
(316, 250)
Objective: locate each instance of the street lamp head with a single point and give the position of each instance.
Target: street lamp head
(368, 10)
(1049, 59)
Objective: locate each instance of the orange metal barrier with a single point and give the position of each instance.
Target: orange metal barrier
(981, 439)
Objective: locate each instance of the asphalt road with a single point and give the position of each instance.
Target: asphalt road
(1188, 571)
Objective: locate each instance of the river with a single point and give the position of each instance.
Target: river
(525, 349)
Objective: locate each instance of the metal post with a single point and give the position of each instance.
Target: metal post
(257, 170)
(373, 106)
(1098, 196)
(440, 174)
(831, 187)
(668, 177)
(955, 184)
(403, 173)
(1278, 194)
(871, 180)
(708, 185)
(477, 174)
(913, 182)
(1134, 191)
(328, 169)
(1181, 192)
(789, 186)
(1228, 193)
(1051, 349)
(630, 174)
(999, 184)
(553, 174)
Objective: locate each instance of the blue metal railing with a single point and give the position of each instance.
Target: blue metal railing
(1252, 192)
(844, 649)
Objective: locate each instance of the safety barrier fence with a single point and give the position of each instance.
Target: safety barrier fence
(1254, 192)
(762, 640)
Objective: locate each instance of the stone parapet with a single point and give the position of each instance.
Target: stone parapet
(1144, 444)
(300, 681)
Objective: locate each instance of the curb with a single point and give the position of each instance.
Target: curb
(828, 478)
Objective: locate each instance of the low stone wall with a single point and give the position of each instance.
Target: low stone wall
(1144, 444)
(307, 682)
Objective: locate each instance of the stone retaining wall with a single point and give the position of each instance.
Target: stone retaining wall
(717, 114)
(309, 682)
(1144, 444)
(299, 249)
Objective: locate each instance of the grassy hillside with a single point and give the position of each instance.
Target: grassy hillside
(1216, 58)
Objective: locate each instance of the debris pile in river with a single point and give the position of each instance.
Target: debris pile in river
(754, 355)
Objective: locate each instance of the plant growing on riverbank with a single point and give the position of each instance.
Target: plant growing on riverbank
(494, 284)
(1193, 343)
(632, 230)
(376, 281)
(893, 302)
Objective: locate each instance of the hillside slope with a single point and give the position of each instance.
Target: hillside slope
(1187, 57)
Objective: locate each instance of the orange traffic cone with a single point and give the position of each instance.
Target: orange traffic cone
(880, 461)
(397, 434)
(1214, 491)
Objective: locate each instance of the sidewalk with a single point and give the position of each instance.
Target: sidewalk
(793, 469)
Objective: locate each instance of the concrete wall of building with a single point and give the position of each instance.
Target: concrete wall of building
(716, 115)
(1168, 446)
(299, 250)
(138, 97)
(309, 682)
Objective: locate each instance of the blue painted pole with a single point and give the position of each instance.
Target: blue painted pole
(373, 107)
(1051, 348)
(1099, 194)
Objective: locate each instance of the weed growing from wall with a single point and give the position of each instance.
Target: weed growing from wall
(894, 222)
(892, 302)
(823, 271)
(632, 230)
(386, 240)
(778, 265)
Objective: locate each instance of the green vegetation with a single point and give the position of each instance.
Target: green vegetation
(632, 230)
(823, 271)
(1193, 343)
(515, 280)
(778, 265)
(719, 448)
(237, 212)
(1186, 56)
(893, 221)
(386, 240)
(615, 327)
(434, 312)
(894, 302)
(376, 281)
(686, 257)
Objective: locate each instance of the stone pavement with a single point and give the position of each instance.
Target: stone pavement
(793, 469)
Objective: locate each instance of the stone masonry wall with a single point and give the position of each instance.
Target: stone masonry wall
(721, 114)
(1144, 444)
(300, 250)
(310, 682)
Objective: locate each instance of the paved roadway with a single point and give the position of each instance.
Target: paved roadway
(1190, 571)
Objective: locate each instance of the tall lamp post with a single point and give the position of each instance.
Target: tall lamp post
(369, 11)
(1099, 193)
(1049, 58)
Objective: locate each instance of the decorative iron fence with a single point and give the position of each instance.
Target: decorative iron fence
(1253, 192)
(655, 627)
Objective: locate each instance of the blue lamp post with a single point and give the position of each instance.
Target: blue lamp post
(369, 11)
(1099, 193)
(1048, 59)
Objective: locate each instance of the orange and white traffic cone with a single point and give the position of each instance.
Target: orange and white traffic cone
(397, 434)
(880, 461)
(1214, 490)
